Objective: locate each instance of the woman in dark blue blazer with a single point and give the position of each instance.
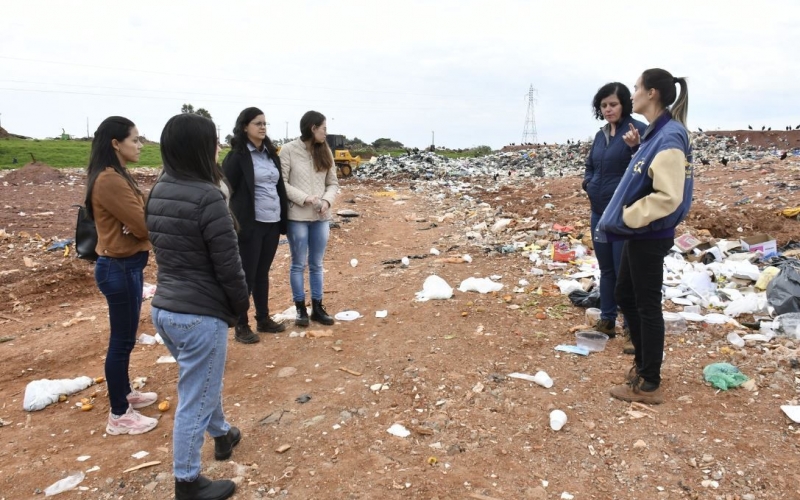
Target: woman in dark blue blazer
(607, 161)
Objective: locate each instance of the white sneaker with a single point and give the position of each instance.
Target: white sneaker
(132, 423)
(141, 399)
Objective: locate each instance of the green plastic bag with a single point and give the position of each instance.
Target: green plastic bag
(724, 376)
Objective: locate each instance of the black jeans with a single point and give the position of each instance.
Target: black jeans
(121, 281)
(257, 247)
(638, 294)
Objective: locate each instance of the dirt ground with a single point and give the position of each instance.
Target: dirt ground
(440, 366)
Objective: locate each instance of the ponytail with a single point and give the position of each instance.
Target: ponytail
(681, 107)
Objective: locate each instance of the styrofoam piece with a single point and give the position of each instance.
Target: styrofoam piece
(692, 316)
(716, 319)
(347, 315)
(793, 412)
(398, 430)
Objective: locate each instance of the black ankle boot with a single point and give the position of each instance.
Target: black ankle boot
(302, 314)
(245, 335)
(203, 488)
(319, 314)
(223, 445)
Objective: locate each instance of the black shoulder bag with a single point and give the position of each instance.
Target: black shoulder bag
(85, 236)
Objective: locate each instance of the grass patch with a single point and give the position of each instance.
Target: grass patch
(61, 154)
(75, 154)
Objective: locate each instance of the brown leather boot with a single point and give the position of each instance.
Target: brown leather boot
(640, 391)
(606, 326)
(627, 347)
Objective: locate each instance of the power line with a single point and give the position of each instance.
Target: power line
(180, 92)
(236, 80)
(178, 99)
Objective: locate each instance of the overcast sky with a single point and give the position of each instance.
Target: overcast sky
(398, 69)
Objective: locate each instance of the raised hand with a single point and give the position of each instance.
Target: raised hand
(631, 137)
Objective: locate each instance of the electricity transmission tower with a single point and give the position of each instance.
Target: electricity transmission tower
(529, 132)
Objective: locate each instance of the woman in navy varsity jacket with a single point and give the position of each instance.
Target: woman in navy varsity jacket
(605, 165)
(652, 198)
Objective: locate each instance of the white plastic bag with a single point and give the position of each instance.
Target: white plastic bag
(748, 304)
(41, 393)
(480, 285)
(699, 282)
(568, 286)
(434, 287)
(66, 484)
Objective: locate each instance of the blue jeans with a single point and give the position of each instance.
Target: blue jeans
(608, 258)
(199, 344)
(307, 242)
(121, 281)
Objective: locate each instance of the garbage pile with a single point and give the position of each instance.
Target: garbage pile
(706, 280)
(543, 161)
(551, 160)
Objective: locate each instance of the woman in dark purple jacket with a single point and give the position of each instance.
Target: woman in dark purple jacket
(607, 161)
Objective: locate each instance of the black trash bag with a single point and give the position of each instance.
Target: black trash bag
(586, 299)
(783, 292)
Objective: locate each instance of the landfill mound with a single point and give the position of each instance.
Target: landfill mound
(33, 173)
(563, 160)
(788, 139)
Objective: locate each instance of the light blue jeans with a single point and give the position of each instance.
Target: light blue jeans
(199, 344)
(307, 242)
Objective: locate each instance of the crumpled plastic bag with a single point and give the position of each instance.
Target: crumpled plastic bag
(434, 287)
(783, 292)
(585, 299)
(568, 286)
(480, 285)
(66, 484)
(724, 376)
(40, 393)
(748, 304)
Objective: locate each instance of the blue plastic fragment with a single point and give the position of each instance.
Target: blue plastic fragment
(573, 349)
(59, 245)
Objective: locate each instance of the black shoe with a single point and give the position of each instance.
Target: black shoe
(203, 488)
(302, 314)
(224, 445)
(607, 326)
(319, 314)
(269, 326)
(245, 335)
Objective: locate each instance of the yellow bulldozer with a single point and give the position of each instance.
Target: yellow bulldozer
(345, 163)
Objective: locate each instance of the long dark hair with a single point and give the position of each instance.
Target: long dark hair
(188, 148)
(664, 82)
(614, 88)
(320, 152)
(240, 139)
(103, 155)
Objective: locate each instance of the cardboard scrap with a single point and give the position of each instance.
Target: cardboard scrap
(315, 334)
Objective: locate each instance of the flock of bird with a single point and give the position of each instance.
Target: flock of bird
(764, 128)
(788, 127)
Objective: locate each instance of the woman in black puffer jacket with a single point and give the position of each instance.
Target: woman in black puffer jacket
(200, 294)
